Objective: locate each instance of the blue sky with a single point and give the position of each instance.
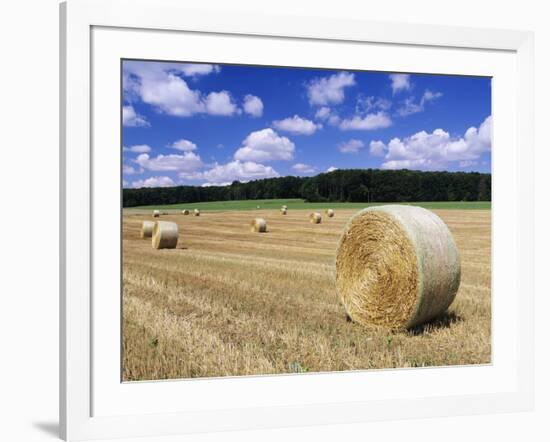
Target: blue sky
(205, 124)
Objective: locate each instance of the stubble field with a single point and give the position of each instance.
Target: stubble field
(228, 302)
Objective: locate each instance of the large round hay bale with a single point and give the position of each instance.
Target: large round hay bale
(147, 229)
(330, 213)
(156, 213)
(196, 212)
(258, 225)
(396, 266)
(315, 218)
(185, 212)
(283, 211)
(165, 235)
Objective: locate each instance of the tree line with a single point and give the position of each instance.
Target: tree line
(349, 185)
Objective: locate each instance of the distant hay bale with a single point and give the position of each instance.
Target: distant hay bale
(257, 207)
(283, 211)
(147, 229)
(330, 213)
(196, 212)
(185, 212)
(396, 266)
(156, 213)
(165, 235)
(258, 225)
(315, 218)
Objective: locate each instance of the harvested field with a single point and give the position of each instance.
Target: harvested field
(228, 302)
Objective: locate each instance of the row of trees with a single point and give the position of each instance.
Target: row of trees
(349, 185)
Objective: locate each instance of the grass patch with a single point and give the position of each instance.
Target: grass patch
(299, 204)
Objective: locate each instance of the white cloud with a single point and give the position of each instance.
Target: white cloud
(130, 118)
(171, 95)
(215, 184)
(154, 181)
(410, 107)
(238, 170)
(196, 69)
(184, 145)
(331, 169)
(368, 104)
(138, 148)
(129, 170)
(303, 168)
(322, 113)
(220, 103)
(161, 85)
(253, 105)
(187, 162)
(351, 146)
(436, 150)
(265, 145)
(297, 125)
(377, 148)
(329, 90)
(378, 120)
(400, 82)
(155, 68)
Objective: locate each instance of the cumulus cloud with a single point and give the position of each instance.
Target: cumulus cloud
(410, 106)
(351, 146)
(303, 168)
(129, 170)
(130, 118)
(377, 148)
(331, 169)
(297, 125)
(220, 103)
(186, 162)
(329, 90)
(378, 120)
(436, 150)
(184, 145)
(215, 184)
(171, 95)
(400, 82)
(265, 145)
(322, 113)
(163, 86)
(253, 105)
(138, 148)
(154, 181)
(222, 174)
(197, 69)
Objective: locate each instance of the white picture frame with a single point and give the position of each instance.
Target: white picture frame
(84, 388)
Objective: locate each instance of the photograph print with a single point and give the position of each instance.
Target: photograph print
(290, 220)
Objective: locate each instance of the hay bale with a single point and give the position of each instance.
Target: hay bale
(283, 211)
(396, 266)
(330, 213)
(156, 213)
(165, 235)
(258, 225)
(196, 212)
(315, 218)
(147, 229)
(185, 212)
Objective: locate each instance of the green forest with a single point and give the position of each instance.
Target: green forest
(349, 185)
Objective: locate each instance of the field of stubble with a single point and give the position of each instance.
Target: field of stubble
(229, 302)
